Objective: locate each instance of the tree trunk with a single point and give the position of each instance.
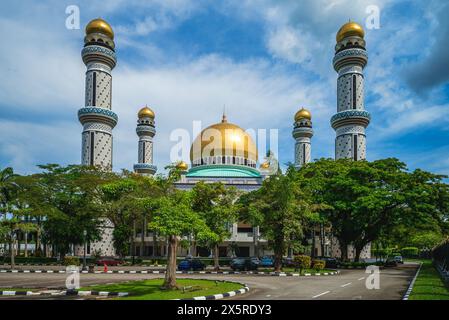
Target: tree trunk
(277, 262)
(344, 251)
(170, 272)
(37, 250)
(312, 254)
(18, 244)
(322, 239)
(12, 249)
(358, 252)
(194, 253)
(142, 239)
(216, 262)
(26, 245)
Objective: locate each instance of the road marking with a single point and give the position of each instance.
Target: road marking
(346, 284)
(321, 294)
(268, 295)
(361, 278)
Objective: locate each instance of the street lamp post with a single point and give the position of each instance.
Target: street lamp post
(85, 249)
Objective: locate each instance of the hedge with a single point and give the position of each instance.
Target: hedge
(29, 260)
(318, 264)
(302, 261)
(410, 252)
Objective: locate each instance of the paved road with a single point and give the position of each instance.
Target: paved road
(350, 284)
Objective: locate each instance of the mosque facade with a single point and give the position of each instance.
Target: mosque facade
(232, 158)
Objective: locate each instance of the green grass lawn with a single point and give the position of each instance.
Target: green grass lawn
(292, 270)
(428, 285)
(151, 289)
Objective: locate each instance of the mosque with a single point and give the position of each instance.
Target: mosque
(223, 151)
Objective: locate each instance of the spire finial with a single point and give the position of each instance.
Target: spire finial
(224, 119)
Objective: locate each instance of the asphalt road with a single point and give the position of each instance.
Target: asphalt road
(349, 285)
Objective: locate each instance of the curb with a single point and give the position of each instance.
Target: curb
(276, 274)
(65, 293)
(220, 296)
(412, 283)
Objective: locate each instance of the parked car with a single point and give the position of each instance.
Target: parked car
(331, 263)
(255, 260)
(398, 259)
(391, 262)
(266, 262)
(191, 264)
(288, 262)
(242, 264)
(109, 262)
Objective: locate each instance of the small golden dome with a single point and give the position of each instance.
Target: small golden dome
(350, 29)
(146, 112)
(303, 114)
(265, 165)
(100, 26)
(182, 166)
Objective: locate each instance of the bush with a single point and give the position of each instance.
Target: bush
(410, 252)
(71, 261)
(29, 260)
(302, 262)
(318, 265)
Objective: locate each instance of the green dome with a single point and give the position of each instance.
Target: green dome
(225, 171)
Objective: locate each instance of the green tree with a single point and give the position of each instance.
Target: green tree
(174, 218)
(367, 200)
(281, 209)
(216, 205)
(8, 190)
(71, 199)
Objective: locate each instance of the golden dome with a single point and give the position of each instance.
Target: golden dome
(349, 29)
(223, 139)
(146, 112)
(100, 26)
(265, 165)
(182, 166)
(303, 114)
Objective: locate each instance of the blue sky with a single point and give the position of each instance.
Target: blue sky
(186, 59)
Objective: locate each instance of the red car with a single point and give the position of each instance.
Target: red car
(109, 262)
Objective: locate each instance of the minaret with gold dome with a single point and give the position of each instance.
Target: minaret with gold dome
(351, 118)
(303, 132)
(96, 116)
(146, 131)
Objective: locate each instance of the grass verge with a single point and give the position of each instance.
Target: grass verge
(429, 285)
(292, 270)
(151, 289)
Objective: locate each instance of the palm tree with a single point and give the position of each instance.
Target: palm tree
(7, 188)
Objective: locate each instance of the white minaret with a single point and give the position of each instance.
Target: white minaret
(351, 119)
(96, 117)
(146, 131)
(302, 132)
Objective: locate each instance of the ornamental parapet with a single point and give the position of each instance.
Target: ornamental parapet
(95, 114)
(95, 53)
(302, 132)
(349, 57)
(145, 130)
(357, 117)
(145, 168)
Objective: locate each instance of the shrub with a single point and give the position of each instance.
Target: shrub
(71, 261)
(318, 264)
(302, 262)
(29, 260)
(410, 252)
